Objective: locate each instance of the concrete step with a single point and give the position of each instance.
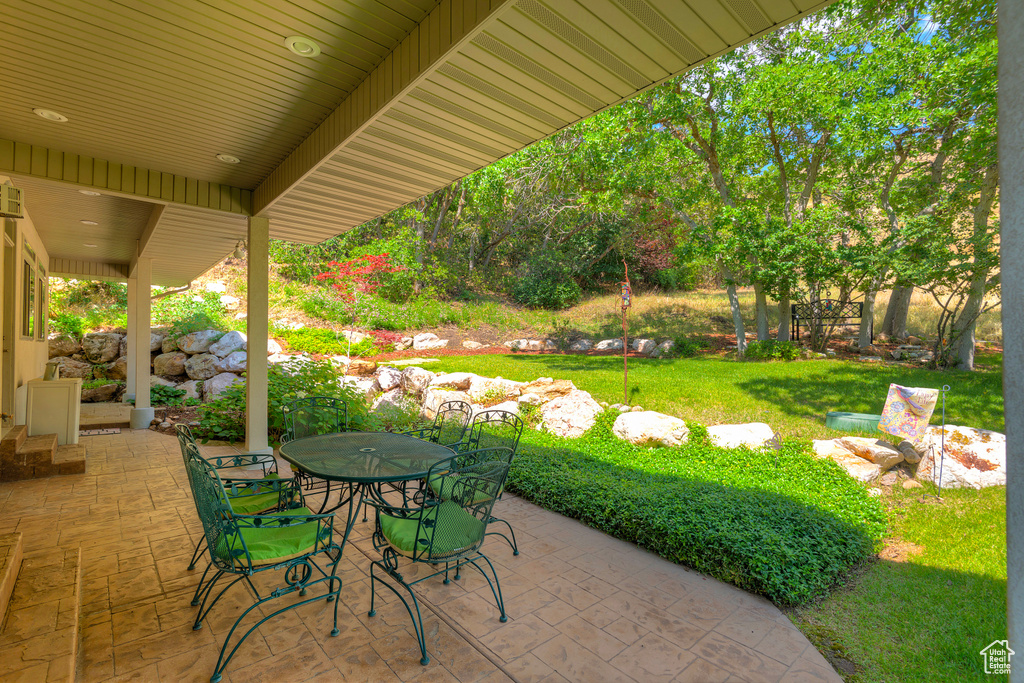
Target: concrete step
(12, 441)
(70, 459)
(11, 550)
(33, 460)
(39, 636)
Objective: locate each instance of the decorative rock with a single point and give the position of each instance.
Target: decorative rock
(116, 370)
(508, 406)
(644, 346)
(888, 479)
(159, 381)
(530, 399)
(63, 345)
(169, 344)
(218, 287)
(363, 386)
(405, 343)
(433, 397)
(753, 434)
(215, 386)
(164, 425)
(69, 367)
(101, 347)
(454, 380)
(609, 345)
(388, 378)
(416, 380)
(570, 415)
(524, 344)
(191, 389)
(273, 347)
(870, 350)
(910, 454)
(975, 458)
(858, 468)
(428, 340)
(548, 389)
(637, 409)
(156, 341)
(917, 341)
(874, 492)
(394, 402)
(472, 345)
(874, 450)
(229, 302)
(230, 342)
(236, 361)
(201, 366)
(912, 484)
(663, 348)
(581, 345)
(278, 358)
(100, 394)
(198, 342)
(362, 368)
(550, 345)
(649, 428)
(481, 388)
(170, 364)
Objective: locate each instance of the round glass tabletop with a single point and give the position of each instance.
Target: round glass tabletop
(365, 457)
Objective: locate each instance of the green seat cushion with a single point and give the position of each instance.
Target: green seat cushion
(271, 543)
(437, 483)
(456, 531)
(852, 422)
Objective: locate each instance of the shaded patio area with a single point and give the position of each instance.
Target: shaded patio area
(582, 606)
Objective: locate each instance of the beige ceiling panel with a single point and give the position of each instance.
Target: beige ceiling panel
(696, 38)
(443, 94)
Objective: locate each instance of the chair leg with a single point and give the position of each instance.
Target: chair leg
(417, 619)
(200, 547)
(511, 541)
(495, 586)
(199, 588)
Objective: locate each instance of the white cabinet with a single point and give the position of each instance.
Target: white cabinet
(53, 408)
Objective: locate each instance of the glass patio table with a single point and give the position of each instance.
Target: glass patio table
(362, 461)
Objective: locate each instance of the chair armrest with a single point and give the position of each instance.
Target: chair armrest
(288, 490)
(418, 433)
(266, 460)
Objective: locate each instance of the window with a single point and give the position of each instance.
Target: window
(42, 317)
(28, 301)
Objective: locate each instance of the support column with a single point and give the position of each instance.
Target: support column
(133, 339)
(1011, 248)
(257, 331)
(142, 414)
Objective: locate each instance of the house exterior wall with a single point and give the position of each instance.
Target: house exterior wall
(29, 355)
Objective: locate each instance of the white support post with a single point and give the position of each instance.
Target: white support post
(257, 330)
(142, 414)
(133, 339)
(1011, 248)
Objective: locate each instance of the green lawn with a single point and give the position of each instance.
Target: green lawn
(791, 397)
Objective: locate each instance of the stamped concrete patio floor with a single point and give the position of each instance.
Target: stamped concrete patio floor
(582, 606)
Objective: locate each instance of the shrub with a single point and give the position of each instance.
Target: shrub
(67, 324)
(779, 523)
(772, 349)
(224, 418)
(686, 347)
(162, 395)
(547, 283)
(321, 341)
(189, 312)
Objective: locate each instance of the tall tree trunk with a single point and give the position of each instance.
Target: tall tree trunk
(737, 316)
(868, 313)
(895, 322)
(784, 317)
(966, 322)
(761, 311)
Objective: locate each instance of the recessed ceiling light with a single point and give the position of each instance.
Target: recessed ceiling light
(228, 159)
(50, 115)
(90, 193)
(89, 222)
(302, 46)
(86, 244)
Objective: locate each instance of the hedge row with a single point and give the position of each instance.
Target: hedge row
(779, 523)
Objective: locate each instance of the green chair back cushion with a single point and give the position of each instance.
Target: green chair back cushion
(443, 484)
(458, 531)
(271, 543)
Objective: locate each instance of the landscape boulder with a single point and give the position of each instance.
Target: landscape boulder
(860, 469)
(454, 380)
(62, 345)
(170, 364)
(428, 340)
(388, 378)
(974, 458)
(101, 347)
(663, 348)
(394, 403)
(69, 367)
(608, 345)
(155, 381)
(581, 345)
(547, 388)
(366, 387)
(362, 368)
(236, 362)
(201, 366)
(649, 428)
(752, 435)
(198, 342)
(168, 344)
(644, 346)
(100, 394)
(278, 358)
(415, 381)
(493, 389)
(472, 345)
(273, 347)
(877, 451)
(117, 369)
(156, 341)
(229, 343)
(191, 389)
(570, 415)
(433, 397)
(215, 386)
(403, 344)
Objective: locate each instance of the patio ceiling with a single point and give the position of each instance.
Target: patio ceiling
(406, 96)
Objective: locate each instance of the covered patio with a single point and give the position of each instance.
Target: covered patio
(109, 549)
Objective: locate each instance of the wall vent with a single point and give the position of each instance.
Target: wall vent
(10, 202)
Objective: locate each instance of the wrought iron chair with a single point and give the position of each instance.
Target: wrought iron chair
(492, 428)
(254, 495)
(449, 426)
(448, 529)
(241, 546)
(312, 416)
